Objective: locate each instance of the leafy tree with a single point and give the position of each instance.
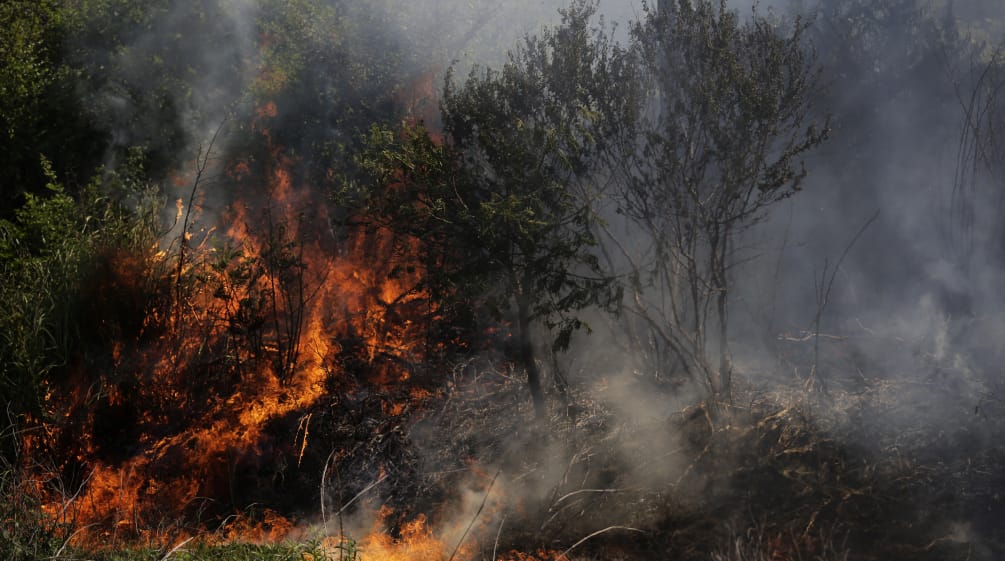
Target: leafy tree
(27, 54)
(39, 109)
(506, 198)
(529, 136)
(720, 143)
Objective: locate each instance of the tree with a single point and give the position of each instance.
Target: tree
(506, 197)
(530, 136)
(39, 109)
(719, 144)
(57, 309)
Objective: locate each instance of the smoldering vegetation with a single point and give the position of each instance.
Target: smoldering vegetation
(514, 280)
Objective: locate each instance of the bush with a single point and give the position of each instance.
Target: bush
(48, 256)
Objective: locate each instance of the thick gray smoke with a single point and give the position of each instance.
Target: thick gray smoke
(898, 116)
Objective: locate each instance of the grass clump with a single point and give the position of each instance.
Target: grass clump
(311, 550)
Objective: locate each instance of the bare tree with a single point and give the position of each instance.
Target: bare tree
(719, 143)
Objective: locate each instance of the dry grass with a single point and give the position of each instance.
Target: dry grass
(781, 474)
(784, 474)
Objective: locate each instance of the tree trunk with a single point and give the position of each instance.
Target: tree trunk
(527, 358)
(725, 371)
(722, 296)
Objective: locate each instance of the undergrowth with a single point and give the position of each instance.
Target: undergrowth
(781, 475)
(312, 550)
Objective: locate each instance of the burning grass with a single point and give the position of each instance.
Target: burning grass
(223, 455)
(776, 478)
(232, 377)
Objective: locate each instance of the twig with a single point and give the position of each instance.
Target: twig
(778, 271)
(559, 511)
(174, 549)
(824, 295)
(567, 495)
(691, 467)
(202, 162)
(305, 422)
(66, 542)
(363, 492)
(495, 546)
(565, 553)
(473, 519)
(324, 476)
(80, 488)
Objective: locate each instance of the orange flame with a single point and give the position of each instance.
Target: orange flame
(269, 307)
(416, 542)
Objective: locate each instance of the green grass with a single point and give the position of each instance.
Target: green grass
(311, 550)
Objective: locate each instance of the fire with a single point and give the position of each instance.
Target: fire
(417, 541)
(458, 538)
(272, 310)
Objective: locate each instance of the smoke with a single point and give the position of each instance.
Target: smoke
(906, 304)
(898, 303)
(910, 316)
(166, 78)
(897, 117)
(896, 113)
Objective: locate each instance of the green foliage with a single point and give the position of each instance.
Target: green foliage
(311, 550)
(505, 203)
(415, 191)
(332, 71)
(27, 536)
(141, 71)
(295, 36)
(530, 137)
(38, 105)
(43, 250)
(48, 255)
(28, 50)
(26, 533)
(86, 82)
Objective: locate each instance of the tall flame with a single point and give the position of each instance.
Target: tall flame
(272, 309)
